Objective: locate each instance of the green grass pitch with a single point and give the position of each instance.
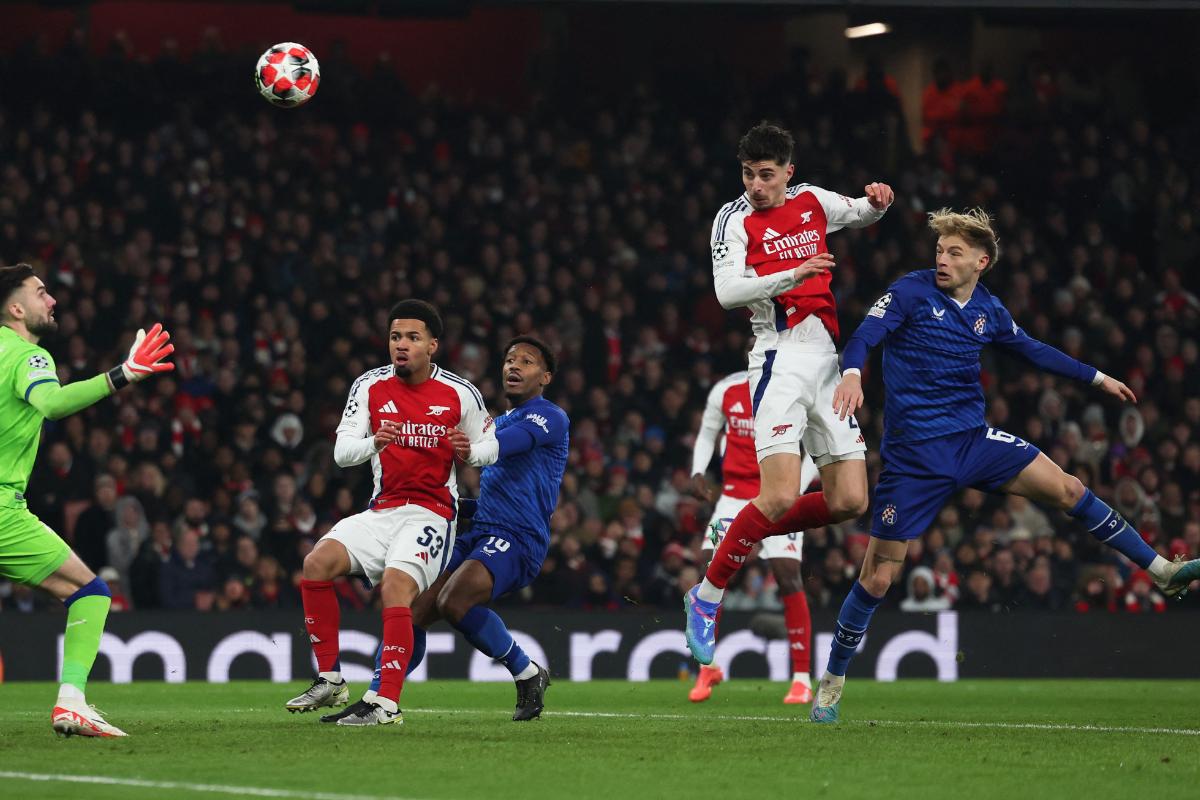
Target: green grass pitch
(607, 739)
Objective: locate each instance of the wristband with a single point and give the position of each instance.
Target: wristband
(116, 376)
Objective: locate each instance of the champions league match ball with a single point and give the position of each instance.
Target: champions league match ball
(287, 75)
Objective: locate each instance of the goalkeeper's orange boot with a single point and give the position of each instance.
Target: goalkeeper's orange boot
(708, 678)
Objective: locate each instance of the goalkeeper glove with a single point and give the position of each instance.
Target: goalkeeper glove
(145, 357)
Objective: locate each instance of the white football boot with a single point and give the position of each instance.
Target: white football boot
(322, 693)
(74, 717)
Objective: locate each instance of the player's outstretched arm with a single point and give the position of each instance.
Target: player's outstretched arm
(146, 357)
(844, 212)
(1013, 338)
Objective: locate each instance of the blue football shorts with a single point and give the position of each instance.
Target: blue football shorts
(919, 477)
(514, 560)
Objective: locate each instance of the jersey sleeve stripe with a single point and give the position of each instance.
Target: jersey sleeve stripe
(378, 372)
(450, 376)
(29, 388)
(727, 213)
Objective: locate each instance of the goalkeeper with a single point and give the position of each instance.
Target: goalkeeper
(30, 552)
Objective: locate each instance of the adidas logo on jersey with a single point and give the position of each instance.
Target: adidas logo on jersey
(737, 408)
(389, 408)
(771, 233)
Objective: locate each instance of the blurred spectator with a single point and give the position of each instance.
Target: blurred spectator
(94, 523)
(978, 594)
(920, 596)
(115, 585)
(1142, 596)
(185, 575)
(942, 106)
(128, 535)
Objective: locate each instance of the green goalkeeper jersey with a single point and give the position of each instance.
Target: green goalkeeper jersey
(23, 366)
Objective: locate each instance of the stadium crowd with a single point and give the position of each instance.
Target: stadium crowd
(272, 243)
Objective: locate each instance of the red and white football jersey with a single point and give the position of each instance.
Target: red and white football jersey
(765, 246)
(729, 411)
(418, 467)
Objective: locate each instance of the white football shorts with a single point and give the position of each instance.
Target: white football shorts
(409, 538)
(785, 545)
(792, 393)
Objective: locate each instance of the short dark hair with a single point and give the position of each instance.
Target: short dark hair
(418, 309)
(11, 279)
(543, 348)
(767, 141)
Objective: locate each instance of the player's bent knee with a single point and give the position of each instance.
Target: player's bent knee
(774, 504)
(1073, 491)
(847, 505)
(320, 564)
(398, 588)
(877, 584)
(452, 607)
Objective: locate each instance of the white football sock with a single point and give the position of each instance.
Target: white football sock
(526, 673)
(1158, 568)
(386, 704)
(709, 593)
(802, 677)
(333, 677)
(369, 696)
(69, 692)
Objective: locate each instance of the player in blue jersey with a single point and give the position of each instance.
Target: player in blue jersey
(510, 534)
(933, 324)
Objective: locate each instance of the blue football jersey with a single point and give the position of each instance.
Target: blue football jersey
(520, 491)
(931, 355)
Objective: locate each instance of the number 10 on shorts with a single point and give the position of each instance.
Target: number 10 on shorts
(495, 544)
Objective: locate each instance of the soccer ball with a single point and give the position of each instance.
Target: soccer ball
(287, 75)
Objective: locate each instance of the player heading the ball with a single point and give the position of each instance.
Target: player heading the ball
(770, 255)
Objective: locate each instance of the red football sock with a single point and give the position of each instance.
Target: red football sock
(809, 511)
(397, 651)
(799, 623)
(748, 529)
(322, 618)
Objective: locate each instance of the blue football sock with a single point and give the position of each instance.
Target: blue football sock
(852, 624)
(486, 632)
(418, 654)
(1110, 528)
(374, 687)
